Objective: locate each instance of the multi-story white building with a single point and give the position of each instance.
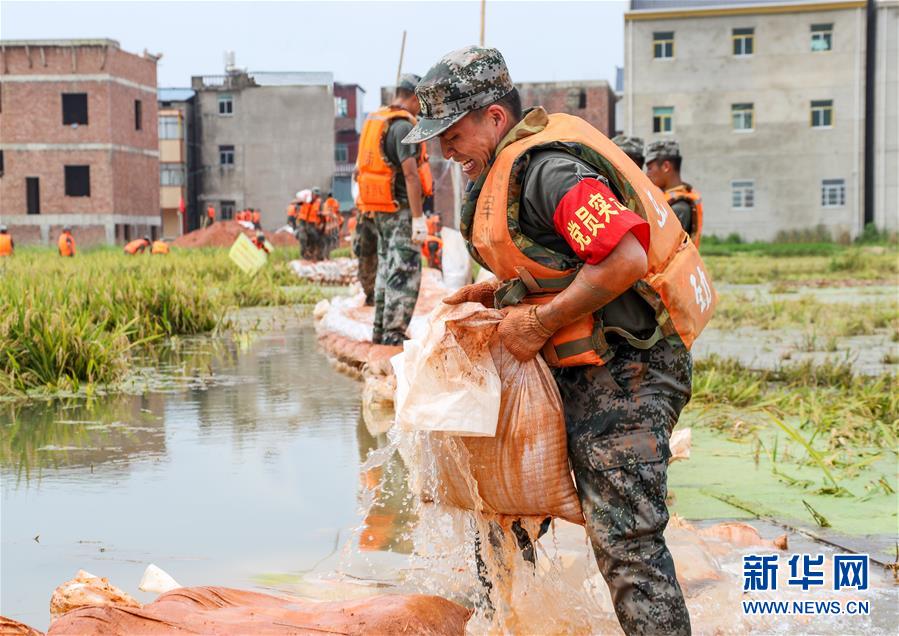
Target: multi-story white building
(768, 101)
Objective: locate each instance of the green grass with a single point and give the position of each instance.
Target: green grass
(66, 323)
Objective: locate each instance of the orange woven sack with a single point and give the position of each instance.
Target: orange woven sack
(523, 470)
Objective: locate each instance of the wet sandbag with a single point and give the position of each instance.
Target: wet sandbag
(9, 627)
(84, 590)
(225, 611)
(523, 470)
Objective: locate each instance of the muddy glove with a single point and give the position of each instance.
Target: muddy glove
(476, 293)
(522, 333)
(419, 229)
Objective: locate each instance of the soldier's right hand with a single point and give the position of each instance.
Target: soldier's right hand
(476, 293)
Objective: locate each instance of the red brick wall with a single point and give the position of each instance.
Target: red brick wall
(32, 113)
(136, 184)
(48, 166)
(121, 105)
(563, 97)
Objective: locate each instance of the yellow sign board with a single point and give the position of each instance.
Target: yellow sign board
(247, 256)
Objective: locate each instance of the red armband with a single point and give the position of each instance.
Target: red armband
(593, 222)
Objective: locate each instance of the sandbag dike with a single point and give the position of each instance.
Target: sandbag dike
(565, 592)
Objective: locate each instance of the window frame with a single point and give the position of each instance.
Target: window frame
(833, 186)
(734, 111)
(223, 153)
(69, 180)
(346, 153)
(745, 35)
(138, 114)
(171, 169)
(341, 107)
(825, 107)
(658, 40)
(662, 117)
(818, 33)
(226, 210)
(223, 99)
(71, 114)
(743, 187)
(165, 122)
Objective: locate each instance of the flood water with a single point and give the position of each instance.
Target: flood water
(253, 468)
(238, 462)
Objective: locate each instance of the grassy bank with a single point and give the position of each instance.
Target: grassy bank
(65, 323)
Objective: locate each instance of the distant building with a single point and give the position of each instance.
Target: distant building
(768, 101)
(348, 119)
(591, 100)
(79, 143)
(263, 136)
(177, 161)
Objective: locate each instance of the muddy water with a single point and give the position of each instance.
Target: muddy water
(244, 460)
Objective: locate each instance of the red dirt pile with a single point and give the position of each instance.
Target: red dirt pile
(224, 233)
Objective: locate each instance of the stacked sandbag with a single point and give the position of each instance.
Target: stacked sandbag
(225, 611)
(338, 271)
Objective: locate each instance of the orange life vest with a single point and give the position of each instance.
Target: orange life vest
(375, 171)
(291, 211)
(159, 247)
(66, 244)
(433, 222)
(257, 217)
(351, 225)
(5, 245)
(136, 246)
(310, 212)
(677, 285)
(210, 212)
(685, 192)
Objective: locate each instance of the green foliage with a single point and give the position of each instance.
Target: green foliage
(69, 322)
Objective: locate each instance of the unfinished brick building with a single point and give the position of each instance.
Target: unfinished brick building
(78, 141)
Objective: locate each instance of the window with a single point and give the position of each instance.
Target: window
(822, 113)
(663, 45)
(1, 163)
(833, 193)
(742, 194)
(743, 41)
(226, 210)
(74, 109)
(340, 107)
(822, 37)
(33, 195)
(226, 155)
(78, 181)
(663, 119)
(742, 115)
(226, 105)
(138, 107)
(169, 127)
(171, 175)
(582, 99)
(341, 153)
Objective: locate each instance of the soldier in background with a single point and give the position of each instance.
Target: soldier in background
(663, 163)
(632, 147)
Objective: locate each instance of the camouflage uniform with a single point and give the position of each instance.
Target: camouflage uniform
(365, 247)
(399, 276)
(618, 416)
(632, 147)
(683, 210)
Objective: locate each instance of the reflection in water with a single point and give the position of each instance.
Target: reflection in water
(236, 457)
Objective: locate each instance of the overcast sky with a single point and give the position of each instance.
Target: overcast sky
(358, 41)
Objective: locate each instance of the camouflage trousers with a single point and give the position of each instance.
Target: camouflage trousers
(365, 247)
(619, 418)
(399, 277)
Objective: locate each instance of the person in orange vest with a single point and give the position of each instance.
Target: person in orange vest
(315, 231)
(571, 262)
(393, 179)
(256, 218)
(137, 246)
(432, 250)
(259, 242)
(159, 247)
(66, 242)
(7, 245)
(292, 215)
(333, 222)
(663, 163)
(210, 216)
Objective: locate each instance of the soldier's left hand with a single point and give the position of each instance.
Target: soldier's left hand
(521, 331)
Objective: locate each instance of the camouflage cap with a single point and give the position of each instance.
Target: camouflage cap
(462, 81)
(668, 149)
(409, 81)
(632, 146)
